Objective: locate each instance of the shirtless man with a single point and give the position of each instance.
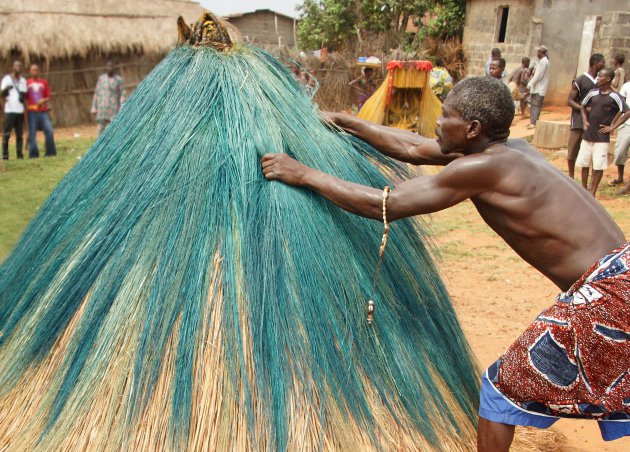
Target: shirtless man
(529, 204)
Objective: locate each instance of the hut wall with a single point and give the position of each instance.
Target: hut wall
(266, 27)
(72, 40)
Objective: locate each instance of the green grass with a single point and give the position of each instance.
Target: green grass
(25, 185)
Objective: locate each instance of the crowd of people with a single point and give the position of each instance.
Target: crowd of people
(31, 97)
(598, 101)
(528, 83)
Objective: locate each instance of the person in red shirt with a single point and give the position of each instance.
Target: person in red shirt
(37, 98)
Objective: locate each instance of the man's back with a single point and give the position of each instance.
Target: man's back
(544, 216)
(519, 77)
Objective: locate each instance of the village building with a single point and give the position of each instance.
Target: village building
(72, 40)
(571, 29)
(266, 28)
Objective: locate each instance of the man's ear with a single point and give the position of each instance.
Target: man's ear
(473, 130)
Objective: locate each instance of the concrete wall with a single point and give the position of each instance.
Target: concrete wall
(260, 27)
(481, 28)
(612, 36)
(558, 24)
(562, 33)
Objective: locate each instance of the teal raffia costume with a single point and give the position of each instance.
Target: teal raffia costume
(168, 297)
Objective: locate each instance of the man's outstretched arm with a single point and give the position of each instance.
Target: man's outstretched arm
(398, 144)
(414, 197)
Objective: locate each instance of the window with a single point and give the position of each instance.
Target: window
(502, 20)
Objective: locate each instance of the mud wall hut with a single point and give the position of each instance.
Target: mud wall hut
(72, 40)
(265, 27)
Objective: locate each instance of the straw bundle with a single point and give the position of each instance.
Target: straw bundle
(334, 92)
(168, 297)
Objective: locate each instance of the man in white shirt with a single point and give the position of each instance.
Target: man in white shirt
(623, 142)
(13, 89)
(538, 84)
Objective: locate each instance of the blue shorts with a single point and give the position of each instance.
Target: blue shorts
(497, 408)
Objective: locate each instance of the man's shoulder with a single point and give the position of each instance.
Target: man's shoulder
(509, 149)
(585, 79)
(618, 100)
(591, 94)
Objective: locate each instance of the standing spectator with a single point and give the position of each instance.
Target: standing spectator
(108, 97)
(37, 98)
(302, 78)
(604, 117)
(580, 87)
(440, 80)
(538, 84)
(620, 73)
(518, 85)
(13, 88)
(497, 68)
(623, 143)
(494, 54)
(365, 84)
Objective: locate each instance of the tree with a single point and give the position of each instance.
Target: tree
(447, 19)
(325, 23)
(333, 22)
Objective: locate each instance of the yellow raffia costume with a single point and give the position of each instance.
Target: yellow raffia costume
(405, 99)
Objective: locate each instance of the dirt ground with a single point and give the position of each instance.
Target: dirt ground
(496, 294)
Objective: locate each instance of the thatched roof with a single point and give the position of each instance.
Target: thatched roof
(64, 28)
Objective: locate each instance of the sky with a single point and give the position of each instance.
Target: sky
(223, 7)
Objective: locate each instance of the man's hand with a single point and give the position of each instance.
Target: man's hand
(605, 129)
(331, 118)
(585, 126)
(283, 168)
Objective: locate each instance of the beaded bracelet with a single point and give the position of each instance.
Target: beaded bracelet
(381, 252)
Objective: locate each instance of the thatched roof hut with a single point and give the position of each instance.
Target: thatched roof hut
(73, 39)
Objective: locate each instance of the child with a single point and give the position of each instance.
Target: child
(620, 73)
